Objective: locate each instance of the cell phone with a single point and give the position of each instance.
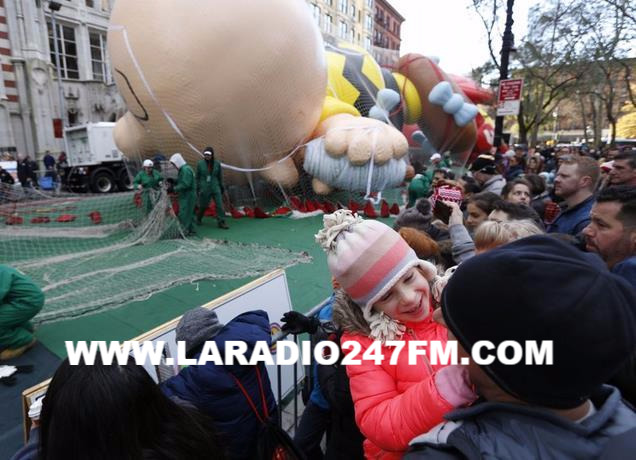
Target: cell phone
(442, 211)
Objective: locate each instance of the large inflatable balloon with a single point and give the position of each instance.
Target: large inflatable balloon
(255, 80)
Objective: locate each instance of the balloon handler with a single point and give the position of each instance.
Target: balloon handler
(184, 187)
(146, 181)
(210, 186)
(20, 300)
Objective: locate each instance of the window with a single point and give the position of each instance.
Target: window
(369, 22)
(99, 63)
(352, 10)
(343, 30)
(316, 10)
(67, 49)
(352, 35)
(370, 3)
(90, 3)
(367, 43)
(343, 6)
(328, 23)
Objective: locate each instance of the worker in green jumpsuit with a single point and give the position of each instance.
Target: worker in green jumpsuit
(147, 180)
(186, 191)
(210, 186)
(20, 300)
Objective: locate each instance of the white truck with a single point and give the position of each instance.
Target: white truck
(93, 161)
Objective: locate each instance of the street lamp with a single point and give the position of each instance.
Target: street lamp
(54, 7)
(506, 48)
(555, 115)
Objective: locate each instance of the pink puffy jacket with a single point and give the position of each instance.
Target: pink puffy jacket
(395, 403)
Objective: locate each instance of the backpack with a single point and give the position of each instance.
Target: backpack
(273, 443)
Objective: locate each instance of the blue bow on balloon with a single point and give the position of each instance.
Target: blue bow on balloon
(452, 103)
(386, 101)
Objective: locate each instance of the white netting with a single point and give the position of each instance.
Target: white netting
(91, 253)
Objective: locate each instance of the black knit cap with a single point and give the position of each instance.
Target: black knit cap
(485, 164)
(539, 288)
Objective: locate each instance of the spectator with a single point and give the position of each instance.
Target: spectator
(547, 290)
(575, 184)
(105, 412)
(25, 171)
(623, 170)
(478, 208)
(439, 175)
(6, 177)
(20, 300)
(212, 388)
(484, 171)
(535, 164)
(515, 168)
(540, 195)
(611, 232)
(49, 161)
(420, 217)
(518, 191)
(392, 401)
(491, 234)
(504, 211)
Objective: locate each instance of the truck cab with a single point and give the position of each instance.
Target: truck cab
(94, 164)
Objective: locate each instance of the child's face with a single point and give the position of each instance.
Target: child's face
(408, 299)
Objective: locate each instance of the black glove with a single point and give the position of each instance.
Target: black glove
(170, 188)
(297, 323)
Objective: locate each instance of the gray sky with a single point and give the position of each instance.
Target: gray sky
(452, 31)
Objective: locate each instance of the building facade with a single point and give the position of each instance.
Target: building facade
(31, 116)
(387, 33)
(347, 20)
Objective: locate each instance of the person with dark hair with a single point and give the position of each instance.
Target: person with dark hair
(575, 183)
(6, 177)
(214, 389)
(540, 195)
(420, 217)
(546, 290)
(479, 207)
(518, 191)
(623, 170)
(505, 211)
(210, 186)
(611, 232)
(106, 412)
(484, 170)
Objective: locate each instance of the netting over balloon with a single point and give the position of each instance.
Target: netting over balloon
(92, 253)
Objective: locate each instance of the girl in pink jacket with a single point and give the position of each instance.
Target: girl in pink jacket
(385, 297)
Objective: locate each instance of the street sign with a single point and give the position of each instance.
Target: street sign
(509, 97)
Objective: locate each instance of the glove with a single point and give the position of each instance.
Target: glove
(170, 188)
(297, 323)
(454, 386)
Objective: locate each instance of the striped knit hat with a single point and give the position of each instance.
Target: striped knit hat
(367, 258)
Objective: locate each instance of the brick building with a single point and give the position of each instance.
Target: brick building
(386, 34)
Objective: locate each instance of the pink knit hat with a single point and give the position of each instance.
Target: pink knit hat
(366, 257)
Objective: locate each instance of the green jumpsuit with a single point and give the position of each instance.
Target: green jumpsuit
(186, 190)
(210, 186)
(20, 300)
(148, 182)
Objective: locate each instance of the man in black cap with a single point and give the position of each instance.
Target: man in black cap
(210, 186)
(484, 171)
(545, 290)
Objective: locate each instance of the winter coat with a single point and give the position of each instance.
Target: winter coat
(214, 392)
(463, 245)
(495, 430)
(572, 220)
(392, 402)
(148, 181)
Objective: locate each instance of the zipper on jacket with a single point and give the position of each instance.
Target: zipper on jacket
(412, 333)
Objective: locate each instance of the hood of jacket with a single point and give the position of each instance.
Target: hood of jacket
(177, 160)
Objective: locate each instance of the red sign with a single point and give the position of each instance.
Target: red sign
(509, 97)
(510, 90)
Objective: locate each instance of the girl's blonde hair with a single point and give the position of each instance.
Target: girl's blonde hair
(491, 234)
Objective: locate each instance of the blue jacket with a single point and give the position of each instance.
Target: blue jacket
(214, 392)
(509, 431)
(573, 220)
(627, 270)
